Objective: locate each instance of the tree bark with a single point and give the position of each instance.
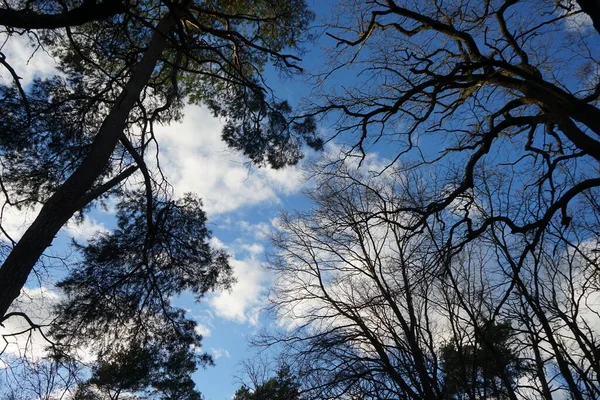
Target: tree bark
(67, 200)
(592, 9)
(87, 12)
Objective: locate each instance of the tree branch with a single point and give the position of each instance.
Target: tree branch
(87, 12)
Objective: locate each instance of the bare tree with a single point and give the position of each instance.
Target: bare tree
(42, 379)
(373, 308)
(367, 302)
(475, 91)
(489, 113)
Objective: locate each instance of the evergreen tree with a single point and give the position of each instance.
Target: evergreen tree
(72, 141)
(283, 386)
(484, 369)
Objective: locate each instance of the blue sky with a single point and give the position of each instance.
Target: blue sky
(242, 203)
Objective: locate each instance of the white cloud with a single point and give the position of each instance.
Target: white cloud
(15, 221)
(576, 21)
(245, 300)
(204, 319)
(259, 231)
(217, 244)
(202, 330)
(218, 353)
(20, 340)
(84, 230)
(196, 160)
(253, 249)
(26, 58)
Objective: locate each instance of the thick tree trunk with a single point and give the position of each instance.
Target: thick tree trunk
(68, 198)
(88, 11)
(591, 8)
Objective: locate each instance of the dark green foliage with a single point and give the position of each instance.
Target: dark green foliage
(215, 57)
(70, 141)
(482, 370)
(283, 386)
(135, 269)
(152, 372)
(276, 141)
(44, 142)
(44, 138)
(86, 392)
(118, 298)
(128, 370)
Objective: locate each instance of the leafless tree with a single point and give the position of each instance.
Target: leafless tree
(499, 91)
(366, 304)
(489, 115)
(369, 306)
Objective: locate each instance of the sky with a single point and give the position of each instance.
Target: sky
(242, 203)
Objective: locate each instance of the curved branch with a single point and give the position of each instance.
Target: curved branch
(87, 12)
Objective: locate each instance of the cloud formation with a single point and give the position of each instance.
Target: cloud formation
(28, 60)
(218, 353)
(195, 159)
(20, 338)
(245, 300)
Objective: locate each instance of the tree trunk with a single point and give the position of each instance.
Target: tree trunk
(88, 11)
(66, 201)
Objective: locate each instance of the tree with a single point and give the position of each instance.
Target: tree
(69, 142)
(492, 134)
(83, 118)
(475, 370)
(361, 303)
(40, 379)
(283, 386)
(371, 308)
(474, 79)
(161, 373)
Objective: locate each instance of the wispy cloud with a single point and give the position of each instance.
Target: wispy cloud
(84, 230)
(203, 330)
(21, 339)
(26, 58)
(576, 20)
(218, 353)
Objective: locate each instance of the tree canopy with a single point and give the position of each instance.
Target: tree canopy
(87, 134)
(283, 386)
(482, 370)
(462, 262)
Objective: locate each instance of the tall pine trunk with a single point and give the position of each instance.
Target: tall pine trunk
(67, 200)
